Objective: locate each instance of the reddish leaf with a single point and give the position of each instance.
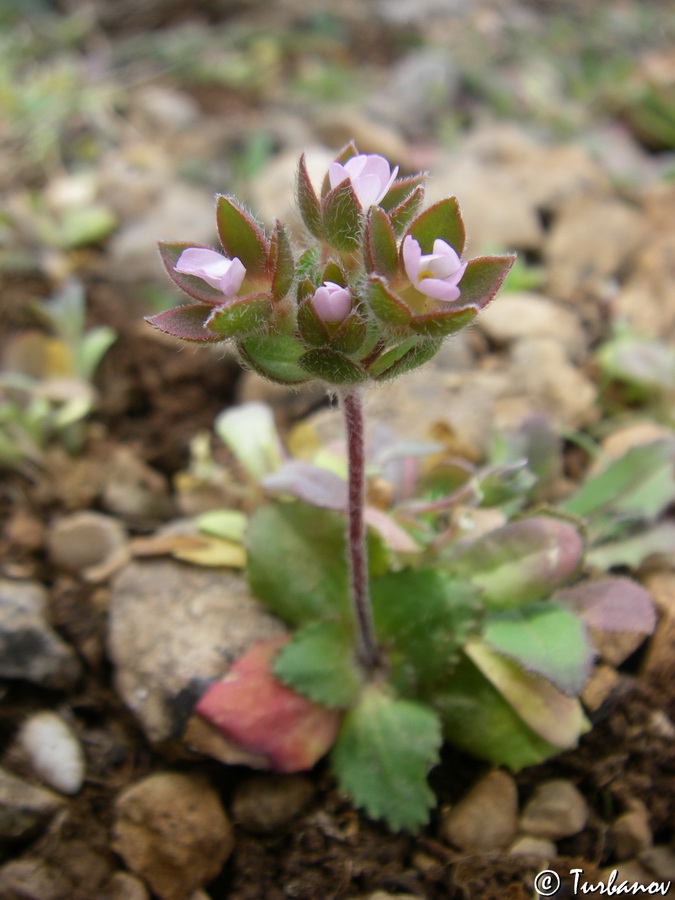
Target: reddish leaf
(483, 277)
(186, 322)
(253, 708)
(611, 604)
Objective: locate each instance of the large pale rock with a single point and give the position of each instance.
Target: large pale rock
(592, 239)
(518, 315)
(173, 629)
(29, 648)
(24, 807)
(555, 810)
(542, 378)
(171, 830)
(486, 817)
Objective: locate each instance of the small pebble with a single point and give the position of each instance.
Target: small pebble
(266, 803)
(86, 542)
(527, 845)
(555, 810)
(485, 819)
(631, 834)
(54, 751)
(23, 806)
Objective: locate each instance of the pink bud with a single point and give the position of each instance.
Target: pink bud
(332, 302)
(435, 274)
(221, 273)
(370, 174)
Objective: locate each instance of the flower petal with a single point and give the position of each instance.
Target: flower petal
(203, 263)
(438, 289)
(412, 254)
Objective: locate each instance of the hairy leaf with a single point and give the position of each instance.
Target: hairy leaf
(483, 277)
(275, 357)
(185, 322)
(342, 216)
(478, 720)
(241, 316)
(555, 717)
(319, 662)
(308, 202)
(384, 750)
(331, 366)
(442, 220)
(241, 236)
(544, 638)
(422, 618)
(381, 252)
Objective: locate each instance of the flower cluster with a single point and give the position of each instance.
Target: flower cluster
(373, 296)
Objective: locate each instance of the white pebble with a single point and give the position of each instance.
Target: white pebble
(54, 751)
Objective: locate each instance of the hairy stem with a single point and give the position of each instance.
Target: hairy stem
(366, 645)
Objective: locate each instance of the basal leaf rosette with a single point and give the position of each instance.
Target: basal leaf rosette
(422, 287)
(236, 292)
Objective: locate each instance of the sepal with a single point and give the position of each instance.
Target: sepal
(281, 262)
(308, 202)
(242, 237)
(242, 316)
(332, 367)
(342, 217)
(380, 250)
(483, 278)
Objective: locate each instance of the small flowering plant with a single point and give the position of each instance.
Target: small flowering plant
(402, 629)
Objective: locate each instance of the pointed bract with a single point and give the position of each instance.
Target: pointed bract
(185, 322)
(241, 236)
(308, 202)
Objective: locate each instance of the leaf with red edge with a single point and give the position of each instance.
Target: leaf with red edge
(241, 236)
(191, 284)
(483, 278)
(381, 252)
(401, 215)
(308, 202)
(443, 322)
(241, 316)
(254, 709)
(442, 220)
(403, 189)
(185, 322)
(611, 604)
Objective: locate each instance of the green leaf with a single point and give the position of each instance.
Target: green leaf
(311, 327)
(319, 662)
(297, 562)
(442, 220)
(350, 335)
(521, 562)
(308, 202)
(401, 215)
(544, 638)
(241, 316)
(384, 750)
(555, 717)
(94, 345)
(402, 190)
(282, 263)
(478, 720)
(441, 323)
(381, 252)
(641, 484)
(387, 306)
(342, 217)
(275, 357)
(645, 364)
(402, 358)
(422, 618)
(241, 236)
(331, 366)
(483, 277)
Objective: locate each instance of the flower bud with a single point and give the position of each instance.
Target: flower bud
(216, 270)
(332, 302)
(435, 274)
(370, 175)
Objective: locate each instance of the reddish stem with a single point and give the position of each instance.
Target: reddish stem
(366, 644)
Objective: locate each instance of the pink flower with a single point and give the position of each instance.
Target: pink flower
(332, 302)
(218, 271)
(370, 175)
(435, 274)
